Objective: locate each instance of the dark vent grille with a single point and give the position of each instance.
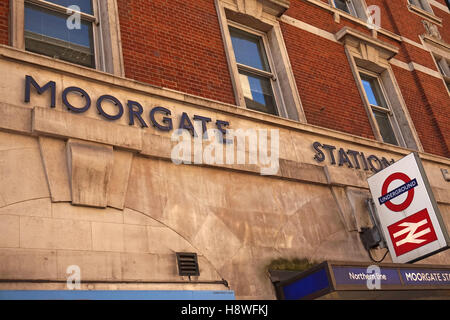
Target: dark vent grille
(187, 264)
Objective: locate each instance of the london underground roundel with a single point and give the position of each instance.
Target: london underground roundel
(408, 187)
(408, 213)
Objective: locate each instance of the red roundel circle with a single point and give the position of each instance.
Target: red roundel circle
(384, 190)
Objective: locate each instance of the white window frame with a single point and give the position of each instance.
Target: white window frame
(388, 110)
(105, 31)
(272, 76)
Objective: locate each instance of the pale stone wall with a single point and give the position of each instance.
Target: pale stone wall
(76, 189)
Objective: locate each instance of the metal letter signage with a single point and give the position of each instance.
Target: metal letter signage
(408, 213)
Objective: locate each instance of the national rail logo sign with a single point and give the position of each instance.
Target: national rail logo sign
(407, 211)
(412, 232)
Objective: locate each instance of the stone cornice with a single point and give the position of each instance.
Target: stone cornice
(255, 8)
(426, 15)
(436, 42)
(351, 37)
(359, 21)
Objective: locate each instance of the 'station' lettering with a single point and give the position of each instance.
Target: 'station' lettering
(349, 158)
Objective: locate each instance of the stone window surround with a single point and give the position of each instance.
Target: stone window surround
(260, 16)
(363, 22)
(440, 6)
(365, 52)
(445, 76)
(107, 43)
(393, 121)
(436, 48)
(428, 15)
(279, 104)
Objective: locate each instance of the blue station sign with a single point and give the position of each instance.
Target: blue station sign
(329, 277)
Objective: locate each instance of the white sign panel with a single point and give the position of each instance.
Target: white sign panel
(409, 216)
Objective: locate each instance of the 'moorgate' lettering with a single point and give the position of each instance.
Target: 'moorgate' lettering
(135, 109)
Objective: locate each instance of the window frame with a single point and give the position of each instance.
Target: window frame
(443, 66)
(278, 98)
(388, 110)
(92, 19)
(366, 52)
(422, 5)
(351, 7)
(358, 8)
(106, 32)
(424, 10)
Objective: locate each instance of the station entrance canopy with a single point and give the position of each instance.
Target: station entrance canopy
(349, 280)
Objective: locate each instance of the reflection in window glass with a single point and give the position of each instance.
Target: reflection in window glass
(373, 91)
(342, 5)
(384, 124)
(85, 5)
(46, 33)
(248, 49)
(258, 93)
(443, 67)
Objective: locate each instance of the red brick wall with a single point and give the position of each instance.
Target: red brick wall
(175, 44)
(426, 96)
(431, 132)
(4, 14)
(325, 82)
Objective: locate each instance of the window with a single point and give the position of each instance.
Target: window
(356, 8)
(421, 4)
(255, 71)
(444, 68)
(346, 5)
(47, 27)
(386, 109)
(380, 107)
(261, 73)
(47, 30)
(423, 9)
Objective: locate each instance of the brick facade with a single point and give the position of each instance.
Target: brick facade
(177, 45)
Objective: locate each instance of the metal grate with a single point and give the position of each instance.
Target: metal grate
(187, 264)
